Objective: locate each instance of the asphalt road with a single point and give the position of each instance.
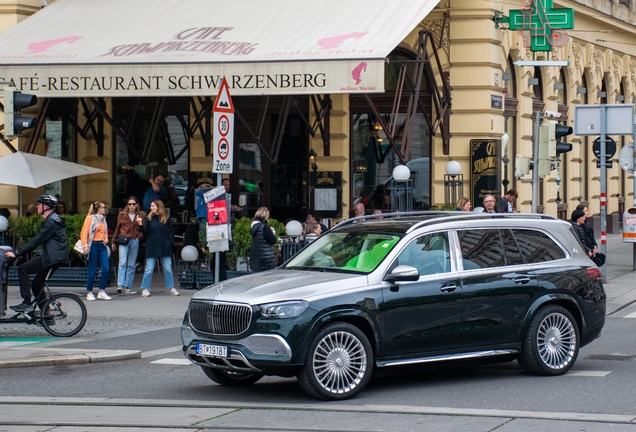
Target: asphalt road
(599, 385)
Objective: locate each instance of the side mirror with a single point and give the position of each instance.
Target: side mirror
(404, 273)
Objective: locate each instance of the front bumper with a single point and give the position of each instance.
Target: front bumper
(244, 354)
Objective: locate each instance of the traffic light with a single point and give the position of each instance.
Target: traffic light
(14, 121)
(555, 133)
(546, 143)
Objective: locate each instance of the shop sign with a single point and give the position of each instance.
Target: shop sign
(485, 175)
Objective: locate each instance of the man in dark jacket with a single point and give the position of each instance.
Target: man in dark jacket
(52, 237)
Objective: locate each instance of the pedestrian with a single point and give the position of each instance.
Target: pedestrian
(314, 233)
(157, 230)
(52, 237)
(32, 210)
(61, 208)
(358, 210)
(263, 238)
(147, 190)
(585, 233)
(504, 205)
(463, 204)
(126, 238)
(94, 238)
(380, 199)
(489, 204)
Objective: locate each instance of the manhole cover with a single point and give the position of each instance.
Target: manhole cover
(619, 357)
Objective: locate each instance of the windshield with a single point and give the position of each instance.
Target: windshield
(346, 251)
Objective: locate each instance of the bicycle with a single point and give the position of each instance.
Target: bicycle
(64, 314)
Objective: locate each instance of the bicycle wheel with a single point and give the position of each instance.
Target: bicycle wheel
(64, 315)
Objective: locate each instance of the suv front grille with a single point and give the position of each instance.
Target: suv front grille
(219, 317)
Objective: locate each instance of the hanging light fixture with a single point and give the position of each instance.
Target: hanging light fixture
(312, 160)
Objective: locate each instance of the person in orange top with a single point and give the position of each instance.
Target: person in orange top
(94, 238)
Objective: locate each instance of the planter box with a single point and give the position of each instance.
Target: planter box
(231, 274)
(63, 276)
(203, 278)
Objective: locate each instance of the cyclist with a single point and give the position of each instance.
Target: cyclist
(52, 237)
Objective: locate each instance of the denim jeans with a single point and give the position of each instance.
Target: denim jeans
(98, 253)
(127, 261)
(166, 264)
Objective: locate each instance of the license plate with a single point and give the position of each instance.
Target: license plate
(211, 350)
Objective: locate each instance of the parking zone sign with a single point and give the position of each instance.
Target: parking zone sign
(223, 131)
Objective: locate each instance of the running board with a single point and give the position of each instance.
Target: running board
(463, 356)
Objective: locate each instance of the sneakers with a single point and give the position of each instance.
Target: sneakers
(145, 293)
(90, 296)
(103, 296)
(120, 290)
(174, 292)
(25, 306)
(129, 290)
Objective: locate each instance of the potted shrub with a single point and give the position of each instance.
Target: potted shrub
(242, 242)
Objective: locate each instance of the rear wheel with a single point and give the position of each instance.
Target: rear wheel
(339, 364)
(63, 315)
(230, 378)
(552, 342)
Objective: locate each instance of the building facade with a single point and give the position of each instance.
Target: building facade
(452, 90)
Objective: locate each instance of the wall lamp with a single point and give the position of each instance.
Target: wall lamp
(312, 160)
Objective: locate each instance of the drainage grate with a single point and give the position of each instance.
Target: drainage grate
(620, 357)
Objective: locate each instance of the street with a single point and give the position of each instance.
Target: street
(598, 388)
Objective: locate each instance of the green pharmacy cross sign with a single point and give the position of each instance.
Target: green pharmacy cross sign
(540, 25)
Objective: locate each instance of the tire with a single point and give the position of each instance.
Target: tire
(65, 315)
(231, 379)
(552, 342)
(339, 363)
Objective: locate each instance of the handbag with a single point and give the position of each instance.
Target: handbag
(599, 259)
(78, 247)
(122, 240)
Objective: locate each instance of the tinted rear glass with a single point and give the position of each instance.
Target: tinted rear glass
(536, 246)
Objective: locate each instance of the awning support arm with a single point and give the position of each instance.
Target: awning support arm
(99, 138)
(154, 123)
(116, 129)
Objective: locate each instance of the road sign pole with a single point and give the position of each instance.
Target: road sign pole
(603, 189)
(535, 163)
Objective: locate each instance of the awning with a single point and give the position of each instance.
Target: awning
(79, 48)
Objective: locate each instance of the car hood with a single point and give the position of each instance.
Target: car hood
(280, 285)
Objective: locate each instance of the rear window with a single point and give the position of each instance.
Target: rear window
(536, 246)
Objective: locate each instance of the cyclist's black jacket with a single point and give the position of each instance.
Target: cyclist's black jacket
(52, 237)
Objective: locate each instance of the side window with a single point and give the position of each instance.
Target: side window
(481, 248)
(513, 255)
(536, 246)
(429, 254)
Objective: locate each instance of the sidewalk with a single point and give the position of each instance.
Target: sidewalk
(133, 313)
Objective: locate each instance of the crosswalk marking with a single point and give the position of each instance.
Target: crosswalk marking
(589, 373)
(161, 351)
(180, 362)
(631, 315)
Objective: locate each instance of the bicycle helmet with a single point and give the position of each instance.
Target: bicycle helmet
(48, 200)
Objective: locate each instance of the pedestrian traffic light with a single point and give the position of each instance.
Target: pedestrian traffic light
(14, 121)
(555, 146)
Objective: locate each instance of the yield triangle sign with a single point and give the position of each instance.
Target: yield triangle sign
(223, 101)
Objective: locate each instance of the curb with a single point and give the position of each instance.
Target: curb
(35, 357)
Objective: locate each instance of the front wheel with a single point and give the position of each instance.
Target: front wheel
(339, 364)
(231, 379)
(552, 342)
(63, 315)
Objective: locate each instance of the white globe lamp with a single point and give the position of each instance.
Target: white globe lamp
(4, 224)
(401, 173)
(453, 168)
(189, 253)
(293, 228)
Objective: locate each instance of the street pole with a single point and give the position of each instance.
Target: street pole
(217, 255)
(634, 179)
(535, 162)
(603, 188)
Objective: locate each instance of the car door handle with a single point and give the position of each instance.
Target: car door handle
(448, 288)
(522, 280)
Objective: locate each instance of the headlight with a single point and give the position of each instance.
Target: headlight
(289, 309)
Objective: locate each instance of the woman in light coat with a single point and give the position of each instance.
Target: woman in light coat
(94, 238)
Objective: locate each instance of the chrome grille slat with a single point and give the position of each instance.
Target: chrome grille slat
(220, 317)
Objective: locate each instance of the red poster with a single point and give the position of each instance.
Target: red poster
(217, 212)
